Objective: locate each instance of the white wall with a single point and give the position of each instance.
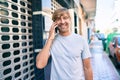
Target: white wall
(104, 9)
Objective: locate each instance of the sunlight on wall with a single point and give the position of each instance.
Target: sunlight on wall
(103, 15)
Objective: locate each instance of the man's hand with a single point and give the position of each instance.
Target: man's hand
(42, 57)
(52, 31)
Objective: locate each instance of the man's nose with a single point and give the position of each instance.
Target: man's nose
(62, 20)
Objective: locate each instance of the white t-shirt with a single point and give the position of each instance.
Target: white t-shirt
(67, 53)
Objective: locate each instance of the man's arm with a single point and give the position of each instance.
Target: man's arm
(88, 69)
(42, 57)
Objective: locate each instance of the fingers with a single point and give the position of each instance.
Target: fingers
(52, 31)
(54, 25)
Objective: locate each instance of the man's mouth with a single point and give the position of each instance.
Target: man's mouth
(62, 26)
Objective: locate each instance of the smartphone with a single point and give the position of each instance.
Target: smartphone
(56, 29)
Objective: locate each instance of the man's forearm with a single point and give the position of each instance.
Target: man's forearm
(88, 69)
(42, 57)
(88, 74)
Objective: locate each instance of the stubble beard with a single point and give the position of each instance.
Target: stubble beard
(64, 30)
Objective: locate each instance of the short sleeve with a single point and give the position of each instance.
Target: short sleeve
(86, 51)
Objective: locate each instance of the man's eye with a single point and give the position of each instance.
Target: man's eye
(65, 17)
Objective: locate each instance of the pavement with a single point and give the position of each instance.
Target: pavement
(103, 68)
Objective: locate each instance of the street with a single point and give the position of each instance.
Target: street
(117, 67)
(103, 68)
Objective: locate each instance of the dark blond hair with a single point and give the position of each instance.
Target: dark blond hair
(60, 12)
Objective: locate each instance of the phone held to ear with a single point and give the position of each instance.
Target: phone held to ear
(56, 29)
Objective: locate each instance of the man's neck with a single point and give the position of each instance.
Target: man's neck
(65, 34)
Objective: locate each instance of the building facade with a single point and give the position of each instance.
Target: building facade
(16, 40)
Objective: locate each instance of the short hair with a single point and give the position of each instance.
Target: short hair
(60, 12)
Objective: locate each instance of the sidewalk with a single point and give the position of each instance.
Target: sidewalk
(103, 69)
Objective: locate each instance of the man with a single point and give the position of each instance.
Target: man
(69, 51)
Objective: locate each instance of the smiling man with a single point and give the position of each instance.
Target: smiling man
(69, 51)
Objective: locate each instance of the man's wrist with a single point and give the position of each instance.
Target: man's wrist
(50, 39)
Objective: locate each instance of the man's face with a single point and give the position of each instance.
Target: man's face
(63, 23)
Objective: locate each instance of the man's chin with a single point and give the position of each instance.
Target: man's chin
(63, 31)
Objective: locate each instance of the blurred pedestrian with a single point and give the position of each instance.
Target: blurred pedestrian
(69, 51)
